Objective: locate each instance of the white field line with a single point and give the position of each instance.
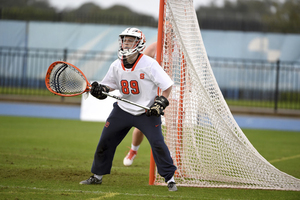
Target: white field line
(107, 194)
(284, 158)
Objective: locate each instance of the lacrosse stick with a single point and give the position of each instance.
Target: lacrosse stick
(64, 79)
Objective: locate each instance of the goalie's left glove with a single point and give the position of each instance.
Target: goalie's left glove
(97, 90)
(158, 106)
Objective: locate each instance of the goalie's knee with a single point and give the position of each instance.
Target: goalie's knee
(158, 146)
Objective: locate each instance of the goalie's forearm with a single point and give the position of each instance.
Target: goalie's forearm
(110, 89)
(167, 92)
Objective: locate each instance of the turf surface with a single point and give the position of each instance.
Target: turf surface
(46, 159)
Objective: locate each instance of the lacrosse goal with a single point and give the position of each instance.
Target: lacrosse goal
(207, 145)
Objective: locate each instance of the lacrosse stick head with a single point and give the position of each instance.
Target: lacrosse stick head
(65, 79)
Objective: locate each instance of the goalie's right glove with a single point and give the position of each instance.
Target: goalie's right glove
(158, 106)
(97, 90)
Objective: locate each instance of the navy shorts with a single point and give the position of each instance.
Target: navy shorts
(116, 128)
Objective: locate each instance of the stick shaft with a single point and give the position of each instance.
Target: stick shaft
(125, 100)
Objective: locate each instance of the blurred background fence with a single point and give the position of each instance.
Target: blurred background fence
(243, 82)
(253, 48)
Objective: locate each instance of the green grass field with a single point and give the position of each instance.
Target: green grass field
(47, 158)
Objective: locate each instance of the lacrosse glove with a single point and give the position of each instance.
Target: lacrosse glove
(158, 106)
(97, 90)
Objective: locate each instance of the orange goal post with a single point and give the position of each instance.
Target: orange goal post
(206, 144)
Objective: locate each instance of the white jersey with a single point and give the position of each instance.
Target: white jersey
(138, 84)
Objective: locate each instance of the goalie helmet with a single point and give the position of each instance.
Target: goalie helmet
(138, 46)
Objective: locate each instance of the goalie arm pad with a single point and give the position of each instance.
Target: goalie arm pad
(158, 106)
(97, 90)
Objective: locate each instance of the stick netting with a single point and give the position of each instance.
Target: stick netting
(207, 145)
(67, 80)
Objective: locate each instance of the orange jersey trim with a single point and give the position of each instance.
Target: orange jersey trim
(136, 62)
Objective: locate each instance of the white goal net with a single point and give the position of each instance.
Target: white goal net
(207, 145)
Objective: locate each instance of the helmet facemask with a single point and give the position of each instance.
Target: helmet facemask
(128, 46)
(131, 42)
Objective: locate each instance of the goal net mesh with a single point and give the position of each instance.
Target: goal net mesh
(207, 145)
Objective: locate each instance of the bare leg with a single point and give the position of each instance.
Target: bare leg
(137, 138)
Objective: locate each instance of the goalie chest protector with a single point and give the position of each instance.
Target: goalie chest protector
(138, 84)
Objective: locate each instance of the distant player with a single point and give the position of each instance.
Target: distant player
(137, 77)
(137, 135)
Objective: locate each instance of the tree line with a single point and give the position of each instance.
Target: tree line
(256, 15)
(263, 15)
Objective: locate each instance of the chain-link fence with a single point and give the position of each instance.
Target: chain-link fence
(251, 83)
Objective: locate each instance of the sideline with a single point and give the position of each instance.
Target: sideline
(73, 112)
(268, 123)
(40, 110)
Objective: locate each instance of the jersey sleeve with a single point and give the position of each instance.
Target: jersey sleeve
(160, 77)
(109, 79)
